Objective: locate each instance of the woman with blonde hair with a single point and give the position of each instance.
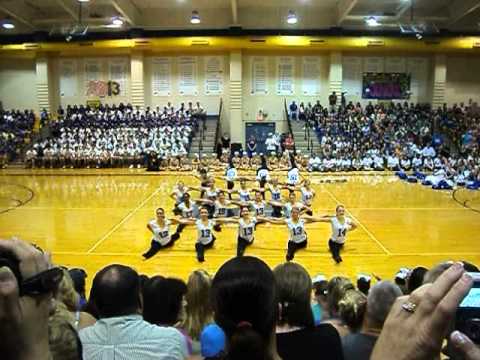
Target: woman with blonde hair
(67, 300)
(198, 310)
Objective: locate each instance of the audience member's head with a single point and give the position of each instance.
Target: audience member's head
(294, 288)
(415, 280)
(351, 308)
(78, 277)
(66, 292)
(337, 287)
(62, 336)
(244, 303)
(198, 311)
(116, 292)
(379, 302)
(163, 300)
(320, 291)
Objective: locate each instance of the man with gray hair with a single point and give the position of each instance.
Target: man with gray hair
(359, 346)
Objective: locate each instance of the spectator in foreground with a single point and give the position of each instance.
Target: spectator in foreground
(320, 305)
(337, 287)
(417, 324)
(359, 346)
(244, 304)
(121, 332)
(352, 308)
(297, 335)
(163, 301)
(198, 310)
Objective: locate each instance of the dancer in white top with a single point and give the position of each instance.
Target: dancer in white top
(205, 237)
(289, 205)
(246, 228)
(243, 192)
(297, 236)
(341, 225)
(307, 195)
(160, 228)
(177, 196)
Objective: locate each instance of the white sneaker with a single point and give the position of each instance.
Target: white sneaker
(138, 166)
(131, 166)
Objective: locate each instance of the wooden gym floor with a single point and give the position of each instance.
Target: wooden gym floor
(91, 218)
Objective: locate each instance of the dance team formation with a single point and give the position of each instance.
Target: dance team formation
(247, 207)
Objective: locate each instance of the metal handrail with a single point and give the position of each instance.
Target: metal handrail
(217, 130)
(289, 123)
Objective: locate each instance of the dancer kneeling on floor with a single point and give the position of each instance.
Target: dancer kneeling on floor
(160, 228)
(297, 237)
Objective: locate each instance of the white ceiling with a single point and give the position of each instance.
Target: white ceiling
(55, 15)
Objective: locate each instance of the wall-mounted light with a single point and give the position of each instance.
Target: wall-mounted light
(372, 21)
(292, 17)
(8, 24)
(419, 36)
(83, 1)
(117, 21)
(195, 17)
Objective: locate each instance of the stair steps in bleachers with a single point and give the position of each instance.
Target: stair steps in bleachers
(298, 130)
(208, 144)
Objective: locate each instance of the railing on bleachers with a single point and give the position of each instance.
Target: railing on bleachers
(289, 123)
(217, 129)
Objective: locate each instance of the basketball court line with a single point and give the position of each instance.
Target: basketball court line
(181, 253)
(123, 221)
(334, 198)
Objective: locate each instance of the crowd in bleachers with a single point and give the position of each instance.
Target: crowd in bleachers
(116, 136)
(397, 137)
(245, 311)
(15, 129)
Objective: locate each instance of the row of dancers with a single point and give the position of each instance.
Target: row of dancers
(217, 207)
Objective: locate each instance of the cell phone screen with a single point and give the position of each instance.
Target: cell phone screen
(472, 300)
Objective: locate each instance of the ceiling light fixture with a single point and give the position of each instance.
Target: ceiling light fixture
(372, 21)
(8, 24)
(83, 1)
(419, 36)
(117, 21)
(292, 17)
(195, 17)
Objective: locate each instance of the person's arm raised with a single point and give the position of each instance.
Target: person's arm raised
(417, 324)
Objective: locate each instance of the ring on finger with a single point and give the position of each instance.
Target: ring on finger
(409, 307)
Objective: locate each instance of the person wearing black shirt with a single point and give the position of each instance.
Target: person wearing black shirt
(332, 101)
(297, 336)
(153, 162)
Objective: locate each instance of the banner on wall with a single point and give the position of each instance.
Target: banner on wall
(161, 79)
(68, 78)
(285, 70)
(259, 76)
(373, 65)
(118, 73)
(93, 72)
(310, 75)
(99, 88)
(386, 86)
(213, 75)
(418, 66)
(352, 76)
(187, 72)
(395, 65)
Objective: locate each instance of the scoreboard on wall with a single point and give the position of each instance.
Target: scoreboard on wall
(386, 86)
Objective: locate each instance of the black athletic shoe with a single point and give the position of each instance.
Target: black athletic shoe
(337, 259)
(340, 258)
(200, 258)
(289, 257)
